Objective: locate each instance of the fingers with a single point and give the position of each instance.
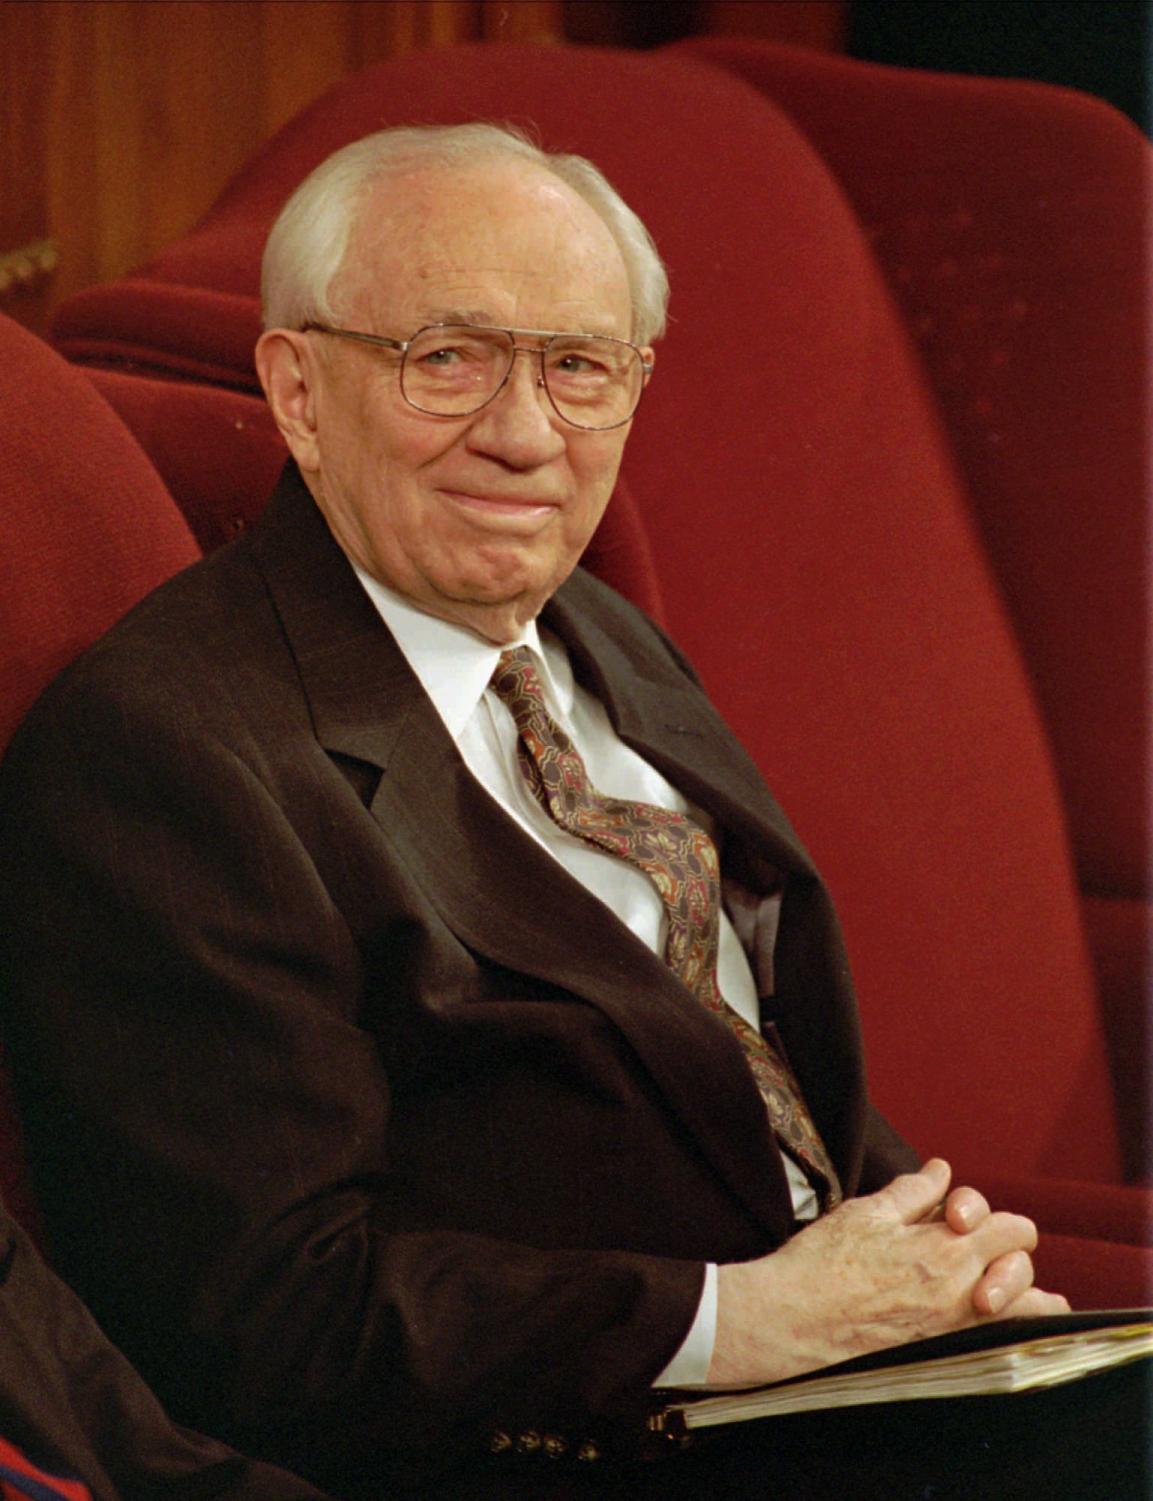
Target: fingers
(999, 1243)
(1001, 1233)
(914, 1196)
(965, 1209)
(1036, 1304)
(1005, 1288)
(1003, 1283)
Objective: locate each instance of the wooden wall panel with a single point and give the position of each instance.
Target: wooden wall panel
(511, 21)
(23, 150)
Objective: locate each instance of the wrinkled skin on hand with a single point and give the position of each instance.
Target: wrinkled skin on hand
(910, 1261)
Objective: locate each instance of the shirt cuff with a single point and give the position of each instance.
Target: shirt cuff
(690, 1365)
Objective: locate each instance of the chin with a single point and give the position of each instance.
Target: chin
(497, 611)
(506, 585)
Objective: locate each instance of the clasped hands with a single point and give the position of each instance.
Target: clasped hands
(913, 1260)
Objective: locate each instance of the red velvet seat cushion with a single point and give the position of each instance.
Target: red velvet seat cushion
(217, 449)
(1095, 1273)
(817, 559)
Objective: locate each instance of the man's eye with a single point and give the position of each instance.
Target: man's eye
(578, 362)
(461, 357)
(445, 356)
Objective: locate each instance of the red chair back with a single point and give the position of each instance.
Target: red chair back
(88, 525)
(1012, 222)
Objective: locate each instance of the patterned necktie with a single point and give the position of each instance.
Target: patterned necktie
(681, 861)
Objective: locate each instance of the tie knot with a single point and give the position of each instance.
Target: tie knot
(515, 676)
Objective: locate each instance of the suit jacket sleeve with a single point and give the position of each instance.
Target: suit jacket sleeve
(887, 1153)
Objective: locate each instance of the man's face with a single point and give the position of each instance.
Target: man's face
(477, 519)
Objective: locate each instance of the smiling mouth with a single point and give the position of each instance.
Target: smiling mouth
(517, 508)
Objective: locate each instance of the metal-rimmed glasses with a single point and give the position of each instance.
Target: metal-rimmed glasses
(454, 369)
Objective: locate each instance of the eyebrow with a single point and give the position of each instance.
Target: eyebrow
(486, 319)
(460, 315)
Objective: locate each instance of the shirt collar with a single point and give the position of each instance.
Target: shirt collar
(453, 664)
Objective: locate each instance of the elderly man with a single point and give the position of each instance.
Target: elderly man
(432, 1034)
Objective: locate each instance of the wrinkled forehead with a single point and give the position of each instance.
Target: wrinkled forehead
(430, 239)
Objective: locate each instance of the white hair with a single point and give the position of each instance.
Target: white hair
(308, 242)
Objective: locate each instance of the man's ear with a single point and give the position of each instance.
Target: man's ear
(288, 371)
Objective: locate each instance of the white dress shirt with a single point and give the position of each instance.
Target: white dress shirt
(454, 667)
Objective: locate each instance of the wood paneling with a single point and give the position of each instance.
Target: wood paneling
(23, 151)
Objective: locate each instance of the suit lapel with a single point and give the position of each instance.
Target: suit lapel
(496, 889)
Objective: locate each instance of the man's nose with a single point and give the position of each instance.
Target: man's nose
(519, 425)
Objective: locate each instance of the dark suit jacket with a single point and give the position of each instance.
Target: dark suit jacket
(363, 1126)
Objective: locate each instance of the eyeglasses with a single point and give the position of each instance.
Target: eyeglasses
(455, 369)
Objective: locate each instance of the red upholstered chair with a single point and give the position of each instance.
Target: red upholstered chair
(88, 529)
(819, 557)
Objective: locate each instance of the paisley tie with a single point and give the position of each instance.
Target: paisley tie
(681, 860)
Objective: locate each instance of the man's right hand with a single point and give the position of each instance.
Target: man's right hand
(910, 1261)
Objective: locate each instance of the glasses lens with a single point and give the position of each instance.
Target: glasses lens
(451, 371)
(593, 383)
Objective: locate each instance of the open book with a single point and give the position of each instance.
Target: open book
(1015, 1355)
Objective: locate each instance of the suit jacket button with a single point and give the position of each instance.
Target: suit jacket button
(588, 1451)
(499, 1443)
(554, 1445)
(528, 1442)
